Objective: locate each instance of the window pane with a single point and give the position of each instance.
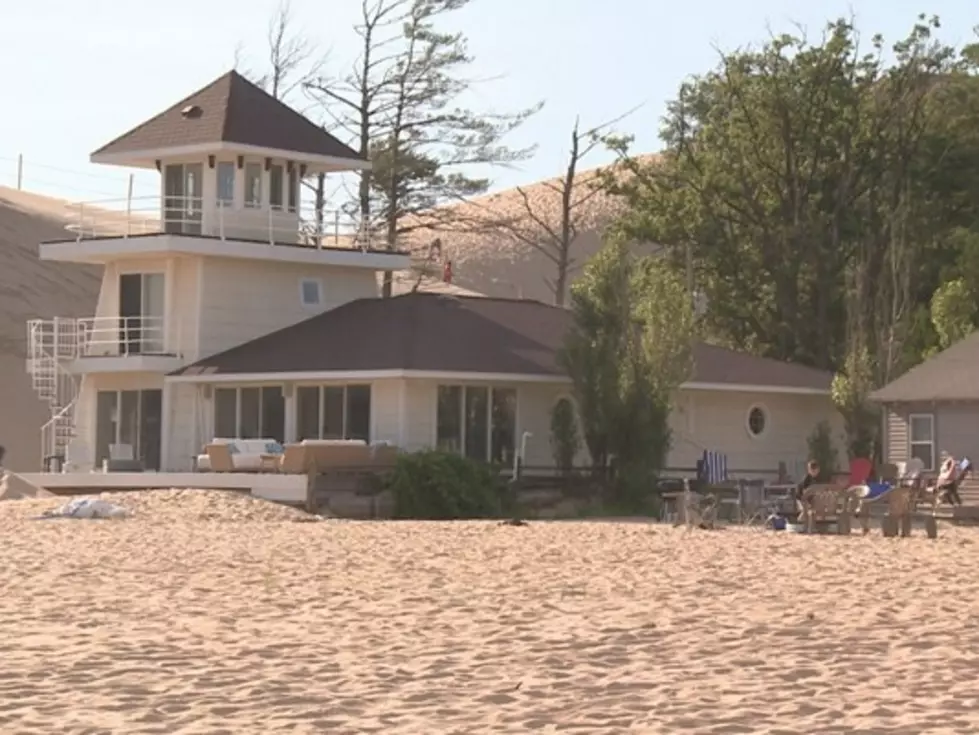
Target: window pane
(129, 419)
(275, 186)
(477, 417)
(448, 431)
(293, 189)
(311, 292)
(226, 182)
(333, 412)
(250, 421)
(307, 413)
(253, 185)
(273, 414)
(921, 428)
(924, 453)
(225, 400)
(105, 424)
(359, 412)
(504, 431)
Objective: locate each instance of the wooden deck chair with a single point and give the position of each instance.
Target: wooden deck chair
(219, 455)
(293, 460)
(824, 504)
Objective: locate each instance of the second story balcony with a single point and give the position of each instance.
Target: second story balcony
(100, 230)
(105, 344)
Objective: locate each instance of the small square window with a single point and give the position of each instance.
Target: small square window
(310, 292)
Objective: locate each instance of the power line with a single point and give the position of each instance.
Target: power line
(30, 163)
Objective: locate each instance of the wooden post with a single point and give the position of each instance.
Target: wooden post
(20, 171)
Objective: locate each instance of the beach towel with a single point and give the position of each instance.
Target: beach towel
(87, 508)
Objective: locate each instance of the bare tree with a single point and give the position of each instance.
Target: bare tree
(399, 105)
(554, 237)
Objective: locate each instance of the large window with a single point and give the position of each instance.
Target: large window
(477, 421)
(275, 186)
(249, 413)
(253, 185)
(333, 412)
(226, 183)
(921, 435)
(292, 179)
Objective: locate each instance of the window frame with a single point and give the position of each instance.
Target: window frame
(277, 195)
(930, 443)
(303, 282)
(237, 417)
(321, 390)
(250, 169)
(223, 165)
(747, 420)
(461, 441)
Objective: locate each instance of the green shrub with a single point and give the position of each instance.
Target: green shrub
(435, 485)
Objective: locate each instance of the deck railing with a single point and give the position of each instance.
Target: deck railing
(196, 216)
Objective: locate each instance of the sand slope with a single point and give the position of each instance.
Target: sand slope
(216, 625)
(30, 288)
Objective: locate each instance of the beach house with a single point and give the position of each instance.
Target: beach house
(229, 309)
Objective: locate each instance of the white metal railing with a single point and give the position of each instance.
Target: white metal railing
(63, 338)
(125, 335)
(276, 225)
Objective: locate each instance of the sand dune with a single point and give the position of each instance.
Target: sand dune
(30, 288)
(221, 622)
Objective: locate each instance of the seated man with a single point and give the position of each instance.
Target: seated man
(949, 476)
(812, 474)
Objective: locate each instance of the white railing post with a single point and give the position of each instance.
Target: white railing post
(271, 228)
(221, 209)
(336, 228)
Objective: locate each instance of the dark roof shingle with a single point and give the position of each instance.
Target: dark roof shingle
(232, 110)
(434, 332)
(951, 375)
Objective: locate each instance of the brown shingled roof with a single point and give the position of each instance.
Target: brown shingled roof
(475, 334)
(232, 110)
(951, 375)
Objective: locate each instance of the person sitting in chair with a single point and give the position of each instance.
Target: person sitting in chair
(947, 485)
(812, 474)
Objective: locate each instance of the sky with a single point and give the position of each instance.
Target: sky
(77, 74)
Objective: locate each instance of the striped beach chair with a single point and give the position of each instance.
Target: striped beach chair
(712, 467)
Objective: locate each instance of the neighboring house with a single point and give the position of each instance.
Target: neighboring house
(226, 316)
(934, 408)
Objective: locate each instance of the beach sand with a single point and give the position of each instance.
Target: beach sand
(211, 613)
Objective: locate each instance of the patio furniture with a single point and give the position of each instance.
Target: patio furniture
(219, 458)
(247, 454)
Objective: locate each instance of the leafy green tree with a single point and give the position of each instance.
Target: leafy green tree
(627, 354)
(810, 187)
(954, 311)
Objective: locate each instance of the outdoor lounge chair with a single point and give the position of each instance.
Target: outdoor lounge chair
(219, 456)
(900, 492)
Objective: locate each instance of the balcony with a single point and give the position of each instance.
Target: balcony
(105, 229)
(104, 344)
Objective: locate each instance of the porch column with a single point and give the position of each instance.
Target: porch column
(289, 412)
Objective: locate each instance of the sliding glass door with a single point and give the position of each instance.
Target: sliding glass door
(130, 417)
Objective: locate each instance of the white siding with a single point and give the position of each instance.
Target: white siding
(714, 420)
(243, 300)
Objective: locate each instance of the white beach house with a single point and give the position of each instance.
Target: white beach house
(226, 310)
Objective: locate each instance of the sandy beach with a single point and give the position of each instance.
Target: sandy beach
(211, 613)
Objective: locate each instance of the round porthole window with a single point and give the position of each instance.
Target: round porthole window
(757, 420)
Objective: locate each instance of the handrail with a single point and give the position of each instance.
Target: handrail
(200, 216)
